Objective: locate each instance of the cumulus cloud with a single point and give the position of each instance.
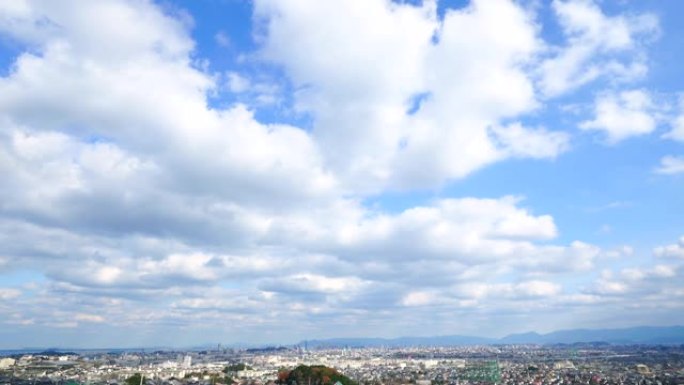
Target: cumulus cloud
(677, 132)
(670, 251)
(671, 165)
(6, 294)
(237, 83)
(418, 298)
(481, 294)
(469, 66)
(594, 41)
(654, 285)
(314, 284)
(677, 124)
(533, 143)
(622, 115)
(522, 290)
(636, 281)
(89, 318)
(467, 229)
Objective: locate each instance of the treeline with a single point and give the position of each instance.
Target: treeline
(313, 375)
(236, 368)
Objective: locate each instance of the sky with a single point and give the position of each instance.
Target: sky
(179, 173)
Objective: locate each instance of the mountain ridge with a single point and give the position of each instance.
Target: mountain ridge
(648, 335)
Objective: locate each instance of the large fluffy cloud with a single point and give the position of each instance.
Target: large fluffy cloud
(457, 77)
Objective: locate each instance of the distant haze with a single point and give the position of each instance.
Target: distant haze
(637, 335)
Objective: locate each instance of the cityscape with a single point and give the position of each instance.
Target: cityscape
(563, 364)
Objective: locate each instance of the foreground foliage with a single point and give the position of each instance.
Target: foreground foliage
(313, 375)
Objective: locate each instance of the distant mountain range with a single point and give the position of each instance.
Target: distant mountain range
(647, 335)
(670, 335)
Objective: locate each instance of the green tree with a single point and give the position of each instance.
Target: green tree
(135, 380)
(313, 375)
(236, 368)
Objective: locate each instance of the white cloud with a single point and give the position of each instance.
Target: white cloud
(610, 288)
(677, 132)
(677, 123)
(418, 298)
(658, 282)
(619, 252)
(533, 143)
(66, 82)
(671, 165)
(312, 283)
(6, 293)
(469, 66)
(475, 294)
(465, 229)
(148, 30)
(670, 251)
(83, 317)
(593, 42)
(621, 116)
(521, 290)
(174, 270)
(237, 83)
(537, 288)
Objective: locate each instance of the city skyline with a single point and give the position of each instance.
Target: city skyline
(180, 172)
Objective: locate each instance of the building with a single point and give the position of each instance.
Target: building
(7, 362)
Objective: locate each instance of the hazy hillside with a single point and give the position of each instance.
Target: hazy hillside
(635, 335)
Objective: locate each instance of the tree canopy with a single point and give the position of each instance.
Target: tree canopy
(313, 375)
(236, 368)
(135, 380)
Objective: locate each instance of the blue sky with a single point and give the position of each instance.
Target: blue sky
(186, 172)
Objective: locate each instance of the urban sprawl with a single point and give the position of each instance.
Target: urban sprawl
(587, 364)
